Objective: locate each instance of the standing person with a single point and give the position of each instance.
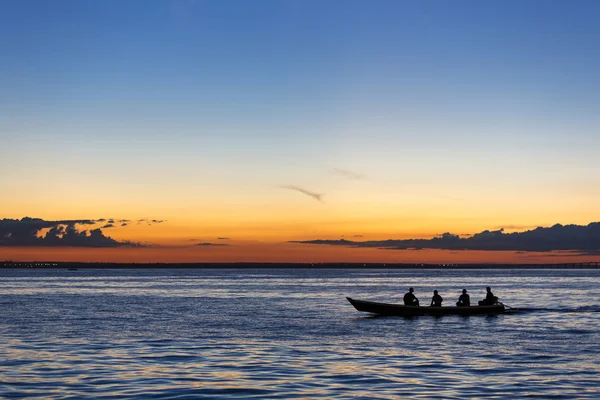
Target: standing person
(464, 300)
(490, 299)
(436, 300)
(410, 299)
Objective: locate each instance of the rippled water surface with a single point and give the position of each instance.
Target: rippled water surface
(292, 334)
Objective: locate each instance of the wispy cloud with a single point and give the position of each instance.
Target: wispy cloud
(208, 244)
(512, 227)
(316, 196)
(150, 221)
(349, 174)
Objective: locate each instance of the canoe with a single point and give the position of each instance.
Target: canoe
(401, 310)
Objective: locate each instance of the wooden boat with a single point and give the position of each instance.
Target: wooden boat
(402, 310)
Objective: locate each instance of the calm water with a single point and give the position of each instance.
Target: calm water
(292, 334)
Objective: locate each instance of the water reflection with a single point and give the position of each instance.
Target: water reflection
(285, 334)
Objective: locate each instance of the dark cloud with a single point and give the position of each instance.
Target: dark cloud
(109, 225)
(102, 220)
(583, 238)
(157, 221)
(26, 232)
(357, 236)
(316, 196)
(125, 221)
(348, 174)
(111, 221)
(207, 244)
(223, 238)
(124, 224)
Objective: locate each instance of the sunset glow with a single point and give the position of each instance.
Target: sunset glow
(251, 127)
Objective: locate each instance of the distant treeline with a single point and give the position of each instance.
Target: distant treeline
(249, 265)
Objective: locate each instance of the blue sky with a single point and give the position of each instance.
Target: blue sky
(457, 97)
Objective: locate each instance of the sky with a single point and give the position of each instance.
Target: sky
(281, 124)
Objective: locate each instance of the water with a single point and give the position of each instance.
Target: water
(190, 334)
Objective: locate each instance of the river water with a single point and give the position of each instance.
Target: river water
(268, 333)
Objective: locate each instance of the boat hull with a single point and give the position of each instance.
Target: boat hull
(401, 310)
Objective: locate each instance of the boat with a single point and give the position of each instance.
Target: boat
(402, 310)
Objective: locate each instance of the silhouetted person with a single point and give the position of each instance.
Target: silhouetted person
(490, 299)
(410, 299)
(464, 300)
(436, 300)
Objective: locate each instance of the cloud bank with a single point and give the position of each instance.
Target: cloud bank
(584, 238)
(28, 232)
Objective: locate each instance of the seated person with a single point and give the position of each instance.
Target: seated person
(410, 299)
(464, 300)
(436, 300)
(490, 299)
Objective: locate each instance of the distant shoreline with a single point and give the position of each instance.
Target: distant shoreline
(250, 265)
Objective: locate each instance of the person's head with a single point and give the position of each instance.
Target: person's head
(489, 289)
(411, 290)
(464, 291)
(435, 292)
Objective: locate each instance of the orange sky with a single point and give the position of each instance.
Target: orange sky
(257, 233)
(279, 252)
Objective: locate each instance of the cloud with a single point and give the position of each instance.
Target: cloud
(109, 225)
(514, 227)
(316, 196)
(357, 236)
(27, 232)
(149, 221)
(207, 244)
(349, 174)
(124, 224)
(125, 221)
(223, 238)
(583, 238)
